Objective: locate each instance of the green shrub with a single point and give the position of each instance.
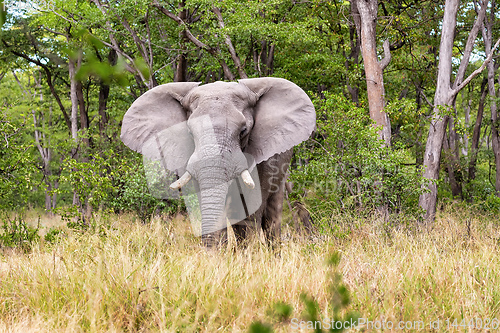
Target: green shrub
(338, 303)
(345, 166)
(53, 235)
(16, 233)
(491, 204)
(133, 193)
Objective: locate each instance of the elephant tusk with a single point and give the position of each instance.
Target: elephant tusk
(181, 181)
(247, 179)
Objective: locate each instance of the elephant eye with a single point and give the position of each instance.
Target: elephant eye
(243, 132)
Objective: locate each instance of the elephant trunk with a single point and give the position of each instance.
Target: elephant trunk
(214, 171)
(214, 183)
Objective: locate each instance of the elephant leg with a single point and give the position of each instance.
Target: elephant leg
(246, 229)
(240, 232)
(274, 175)
(271, 219)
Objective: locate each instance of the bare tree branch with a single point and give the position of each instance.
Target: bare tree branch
(20, 84)
(421, 92)
(387, 55)
(116, 47)
(180, 22)
(48, 75)
(215, 52)
(230, 46)
(470, 45)
(455, 91)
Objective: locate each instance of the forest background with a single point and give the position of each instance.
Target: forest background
(402, 172)
(69, 71)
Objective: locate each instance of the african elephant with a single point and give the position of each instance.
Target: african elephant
(218, 132)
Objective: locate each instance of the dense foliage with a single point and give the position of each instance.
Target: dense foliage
(121, 49)
(345, 167)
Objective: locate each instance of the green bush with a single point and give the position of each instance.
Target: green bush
(346, 167)
(133, 193)
(53, 235)
(338, 303)
(16, 233)
(18, 173)
(491, 204)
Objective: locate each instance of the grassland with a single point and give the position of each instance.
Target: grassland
(126, 276)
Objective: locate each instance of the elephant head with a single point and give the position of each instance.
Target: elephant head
(209, 131)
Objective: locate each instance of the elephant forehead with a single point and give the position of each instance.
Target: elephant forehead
(220, 123)
(227, 91)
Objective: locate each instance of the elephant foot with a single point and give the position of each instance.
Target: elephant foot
(215, 240)
(209, 241)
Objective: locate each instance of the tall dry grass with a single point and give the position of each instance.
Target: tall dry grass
(157, 277)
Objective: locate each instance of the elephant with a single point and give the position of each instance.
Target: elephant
(220, 132)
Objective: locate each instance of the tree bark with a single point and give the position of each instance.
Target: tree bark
(419, 149)
(104, 95)
(43, 145)
(50, 83)
(368, 10)
(74, 100)
(464, 140)
(443, 99)
(143, 46)
(230, 47)
(84, 118)
(452, 162)
(181, 68)
(475, 137)
(103, 102)
(495, 126)
(353, 56)
(72, 68)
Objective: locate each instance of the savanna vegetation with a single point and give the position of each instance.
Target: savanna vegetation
(401, 178)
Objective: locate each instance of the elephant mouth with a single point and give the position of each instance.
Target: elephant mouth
(186, 177)
(216, 169)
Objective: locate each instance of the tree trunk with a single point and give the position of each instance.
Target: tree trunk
(43, 146)
(419, 149)
(266, 58)
(104, 95)
(74, 102)
(373, 68)
(353, 56)
(214, 51)
(495, 139)
(72, 67)
(452, 162)
(103, 103)
(437, 129)
(464, 140)
(475, 138)
(444, 98)
(230, 47)
(181, 68)
(84, 120)
(495, 145)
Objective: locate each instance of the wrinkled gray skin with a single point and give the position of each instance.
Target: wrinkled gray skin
(263, 117)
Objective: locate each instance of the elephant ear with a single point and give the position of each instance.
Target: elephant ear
(156, 125)
(284, 116)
